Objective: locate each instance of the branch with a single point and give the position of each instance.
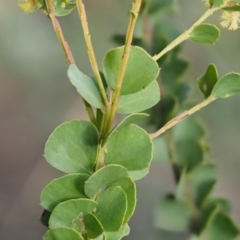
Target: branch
(182, 116)
(184, 36)
(67, 51)
(123, 66)
(93, 61)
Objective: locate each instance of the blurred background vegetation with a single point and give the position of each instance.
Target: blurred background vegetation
(35, 97)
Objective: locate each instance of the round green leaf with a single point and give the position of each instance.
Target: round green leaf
(104, 177)
(112, 207)
(141, 69)
(218, 3)
(139, 101)
(130, 147)
(202, 180)
(129, 187)
(189, 154)
(208, 80)
(171, 215)
(124, 231)
(220, 227)
(92, 226)
(161, 153)
(70, 214)
(85, 86)
(188, 129)
(227, 86)
(209, 207)
(128, 120)
(62, 233)
(72, 147)
(136, 175)
(62, 189)
(205, 34)
(154, 6)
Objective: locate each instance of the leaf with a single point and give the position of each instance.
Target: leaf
(205, 34)
(119, 39)
(202, 179)
(139, 101)
(62, 233)
(70, 214)
(140, 72)
(166, 110)
(220, 227)
(188, 129)
(182, 187)
(85, 86)
(129, 187)
(232, 8)
(171, 72)
(62, 8)
(210, 206)
(136, 175)
(72, 147)
(208, 80)
(160, 153)
(45, 218)
(112, 207)
(130, 147)
(171, 215)
(227, 86)
(93, 226)
(189, 153)
(156, 5)
(124, 231)
(104, 177)
(128, 120)
(218, 3)
(61, 189)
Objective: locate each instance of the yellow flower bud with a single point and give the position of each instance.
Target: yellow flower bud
(28, 6)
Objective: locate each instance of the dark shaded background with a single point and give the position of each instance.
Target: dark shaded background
(35, 97)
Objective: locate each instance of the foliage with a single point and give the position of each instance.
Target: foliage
(97, 196)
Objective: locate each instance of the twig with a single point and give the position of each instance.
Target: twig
(182, 116)
(185, 35)
(93, 61)
(123, 66)
(67, 52)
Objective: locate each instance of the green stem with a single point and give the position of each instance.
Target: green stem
(67, 51)
(100, 157)
(184, 36)
(123, 66)
(93, 61)
(182, 116)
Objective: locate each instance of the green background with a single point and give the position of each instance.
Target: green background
(35, 97)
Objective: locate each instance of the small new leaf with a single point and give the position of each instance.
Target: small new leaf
(205, 34)
(208, 80)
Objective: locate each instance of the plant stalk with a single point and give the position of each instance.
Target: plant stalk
(91, 54)
(67, 52)
(182, 116)
(184, 36)
(123, 66)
